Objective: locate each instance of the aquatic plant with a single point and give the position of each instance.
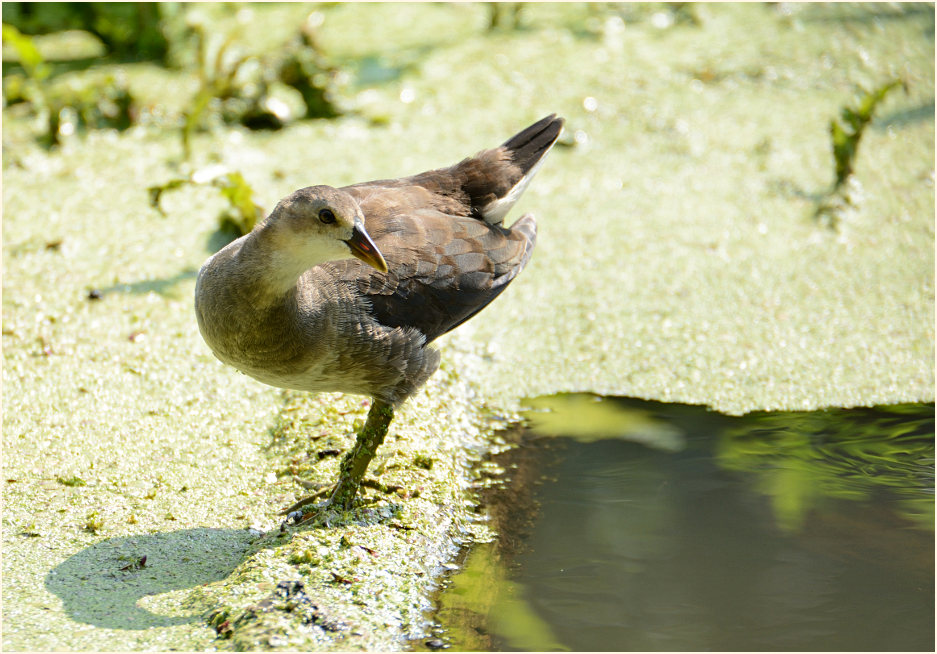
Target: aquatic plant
(241, 213)
(216, 82)
(30, 58)
(845, 134)
(70, 105)
(129, 30)
(305, 68)
(91, 104)
(248, 89)
(18, 88)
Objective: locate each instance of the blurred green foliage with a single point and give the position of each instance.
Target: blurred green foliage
(216, 82)
(235, 86)
(35, 66)
(258, 91)
(86, 105)
(243, 213)
(129, 30)
(504, 15)
(305, 67)
(65, 107)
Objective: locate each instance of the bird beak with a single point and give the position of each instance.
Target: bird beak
(363, 248)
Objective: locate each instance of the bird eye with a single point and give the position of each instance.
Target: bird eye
(326, 216)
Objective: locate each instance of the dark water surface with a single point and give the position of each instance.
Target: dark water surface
(632, 525)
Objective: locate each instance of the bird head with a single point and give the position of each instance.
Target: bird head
(320, 223)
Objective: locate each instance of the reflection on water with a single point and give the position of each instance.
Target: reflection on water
(631, 525)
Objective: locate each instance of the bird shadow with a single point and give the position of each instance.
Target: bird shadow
(220, 238)
(102, 585)
(163, 286)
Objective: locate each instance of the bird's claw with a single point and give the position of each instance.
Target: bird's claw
(298, 517)
(306, 501)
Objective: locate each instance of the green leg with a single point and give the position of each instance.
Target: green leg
(356, 461)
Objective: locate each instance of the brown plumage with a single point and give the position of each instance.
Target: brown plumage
(288, 305)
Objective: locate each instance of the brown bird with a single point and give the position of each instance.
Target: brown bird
(289, 305)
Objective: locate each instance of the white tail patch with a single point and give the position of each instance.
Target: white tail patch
(494, 212)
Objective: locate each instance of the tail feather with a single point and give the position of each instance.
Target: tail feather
(526, 151)
(528, 146)
(493, 180)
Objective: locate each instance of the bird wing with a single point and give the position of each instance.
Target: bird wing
(444, 265)
(441, 234)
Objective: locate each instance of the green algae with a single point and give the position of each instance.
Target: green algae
(676, 260)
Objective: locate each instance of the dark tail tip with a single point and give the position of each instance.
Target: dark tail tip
(529, 145)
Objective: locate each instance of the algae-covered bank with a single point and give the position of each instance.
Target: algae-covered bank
(679, 258)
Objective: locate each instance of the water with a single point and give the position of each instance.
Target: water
(631, 525)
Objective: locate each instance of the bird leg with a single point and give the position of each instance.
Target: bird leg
(356, 460)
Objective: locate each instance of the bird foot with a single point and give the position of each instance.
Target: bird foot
(351, 469)
(306, 501)
(308, 509)
(310, 506)
(299, 516)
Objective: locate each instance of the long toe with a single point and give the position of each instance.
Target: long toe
(306, 501)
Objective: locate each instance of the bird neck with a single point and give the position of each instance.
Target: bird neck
(276, 266)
